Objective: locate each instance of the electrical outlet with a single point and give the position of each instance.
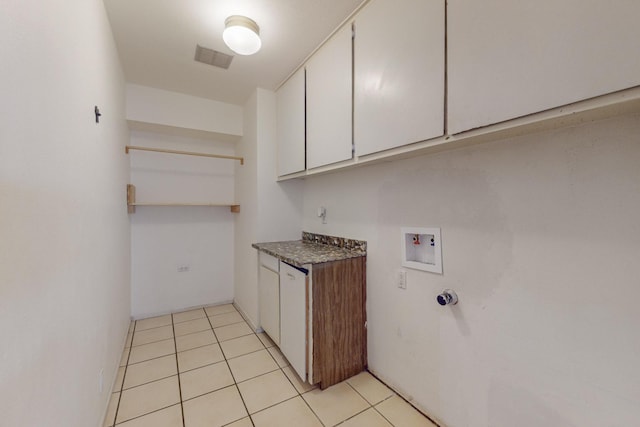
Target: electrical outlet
(183, 268)
(402, 279)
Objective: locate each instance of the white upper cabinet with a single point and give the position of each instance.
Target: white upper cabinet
(398, 73)
(508, 59)
(329, 101)
(290, 125)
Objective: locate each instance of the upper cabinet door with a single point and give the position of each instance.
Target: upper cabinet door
(398, 73)
(329, 105)
(512, 58)
(290, 125)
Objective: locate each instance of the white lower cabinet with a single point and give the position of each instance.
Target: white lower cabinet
(269, 296)
(321, 314)
(293, 317)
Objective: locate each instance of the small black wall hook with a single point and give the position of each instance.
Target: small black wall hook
(98, 114)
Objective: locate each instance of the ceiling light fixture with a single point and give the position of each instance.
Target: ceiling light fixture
(242, 35)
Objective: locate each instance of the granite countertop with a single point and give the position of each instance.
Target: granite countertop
(314, 249)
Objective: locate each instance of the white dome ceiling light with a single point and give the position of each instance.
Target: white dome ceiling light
(242, 35)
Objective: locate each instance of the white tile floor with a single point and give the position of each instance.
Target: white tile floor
(207, 368)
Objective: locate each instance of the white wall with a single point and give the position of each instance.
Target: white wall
(279, 203)
(150, 105)
(541, 240)
(164, 238)
(270, 211)
(246, 275)
(64, 251)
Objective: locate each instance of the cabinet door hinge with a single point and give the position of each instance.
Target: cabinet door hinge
(366, 324)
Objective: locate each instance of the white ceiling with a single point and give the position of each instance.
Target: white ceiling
(157, 39)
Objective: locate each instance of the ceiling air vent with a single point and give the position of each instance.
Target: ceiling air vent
(213, 57)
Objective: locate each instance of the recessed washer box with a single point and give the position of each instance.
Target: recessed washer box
(422, 249)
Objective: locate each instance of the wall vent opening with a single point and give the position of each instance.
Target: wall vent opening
(213, 57)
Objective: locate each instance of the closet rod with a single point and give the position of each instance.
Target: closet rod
(188, 153)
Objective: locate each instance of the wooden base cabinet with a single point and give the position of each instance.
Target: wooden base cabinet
(338, 324)
(322, 317)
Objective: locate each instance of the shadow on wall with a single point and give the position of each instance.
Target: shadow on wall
(508, 403)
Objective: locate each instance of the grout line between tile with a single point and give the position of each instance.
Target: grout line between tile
(152, 358)
(196, 332)
(148, 329)
(257, 376)
(200, 367)
(151, 342)
(239, 336)
(145, 414)
(190, 333)
(175, 346)
(232, 376)
(188, 320)
(248, 416)
(148, 382)
(209, 392)
(380, 413)
(401, 397)
(251, 352)
(195, 348)
(266, 373)
(362, 396)
(222, 314)
(276, 404)
(355, 415)
(309, 406)
(124, 375)
(300, 395)
(229, 324)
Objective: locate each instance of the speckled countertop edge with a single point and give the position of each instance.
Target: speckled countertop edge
(314, 249)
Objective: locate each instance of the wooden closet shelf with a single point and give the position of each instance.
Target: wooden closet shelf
(131, 202)
(186, 153)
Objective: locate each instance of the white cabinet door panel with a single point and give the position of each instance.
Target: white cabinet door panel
(508, 59)
(293, 319)
(398, 73)
(269, 294)
(290, 125)
(329, 102)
